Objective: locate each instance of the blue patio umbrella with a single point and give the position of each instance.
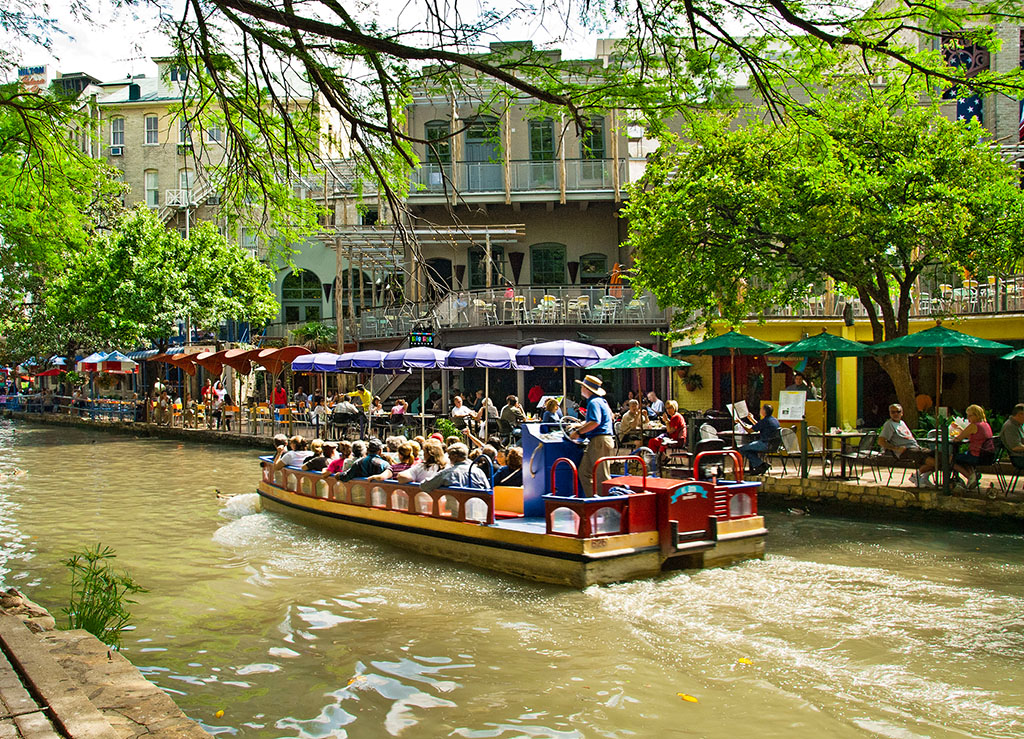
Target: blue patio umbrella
(421, 358)
(561, 353)
(322, 362)
(487, 356)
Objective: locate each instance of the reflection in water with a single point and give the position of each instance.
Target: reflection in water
(845, 630)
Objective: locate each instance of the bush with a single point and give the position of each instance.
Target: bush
(99, 596)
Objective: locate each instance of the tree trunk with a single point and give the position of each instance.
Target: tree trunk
(897, 366)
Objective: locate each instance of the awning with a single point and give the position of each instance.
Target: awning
(144, 354)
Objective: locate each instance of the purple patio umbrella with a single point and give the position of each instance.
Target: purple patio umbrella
(323, 362)
(421, 358)
(488, 356)
(561, 353)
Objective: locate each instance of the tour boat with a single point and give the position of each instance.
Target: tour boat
(545, 530)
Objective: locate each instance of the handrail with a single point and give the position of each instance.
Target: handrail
(623, 457)
(737, 461)
(575, 476)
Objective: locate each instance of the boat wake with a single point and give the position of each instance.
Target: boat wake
(243, 504)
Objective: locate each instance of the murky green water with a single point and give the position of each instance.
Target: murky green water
(851, 629)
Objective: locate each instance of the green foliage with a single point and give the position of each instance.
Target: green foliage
(73, 378)
(99, 596)
(315, 334)
(856, 193)
(446, 427)
(132, 285)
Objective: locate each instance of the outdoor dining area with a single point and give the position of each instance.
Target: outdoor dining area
(250, 398)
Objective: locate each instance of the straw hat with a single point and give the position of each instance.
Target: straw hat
(592, 383)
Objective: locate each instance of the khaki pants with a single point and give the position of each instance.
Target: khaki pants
(599, 446)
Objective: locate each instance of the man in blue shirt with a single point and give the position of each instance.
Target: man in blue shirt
(598, 429)
(769, 434)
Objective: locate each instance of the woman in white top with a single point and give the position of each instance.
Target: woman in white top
(433, 461)
(461, 413)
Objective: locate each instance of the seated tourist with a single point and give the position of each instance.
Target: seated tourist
(630, 427)
(431, 463)
(769, 432)
(552, 411)
(317, 461)
(294, 456)
(490, 464)
(406, 459)
(342, 460)
(980, 451)
(1012, 436)
(462, 474)
(461, 413)
(372, 464)
(675, 427)
(897, 438)
(512, 473)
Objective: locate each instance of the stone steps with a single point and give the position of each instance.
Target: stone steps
(70, 684)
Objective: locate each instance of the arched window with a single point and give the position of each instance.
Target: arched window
(547, 264)
(117, 131)
(301, 296)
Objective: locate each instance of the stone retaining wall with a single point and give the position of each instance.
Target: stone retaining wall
(898, 502)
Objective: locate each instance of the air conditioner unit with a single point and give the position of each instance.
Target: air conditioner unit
(116, 151)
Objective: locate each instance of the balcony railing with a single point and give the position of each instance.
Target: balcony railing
(524, 176)
(571, 305)
(990, 296)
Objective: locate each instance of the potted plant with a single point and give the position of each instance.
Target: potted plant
(693, 381)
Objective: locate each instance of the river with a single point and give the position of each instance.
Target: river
(845, 629)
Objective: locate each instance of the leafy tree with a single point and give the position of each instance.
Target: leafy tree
(734, 222)
(133, 284)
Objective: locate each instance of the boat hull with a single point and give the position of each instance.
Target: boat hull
(516, 550)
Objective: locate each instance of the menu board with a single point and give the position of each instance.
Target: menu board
(791, 405)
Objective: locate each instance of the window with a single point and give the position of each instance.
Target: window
(547, 264)
(542, 140)
(542, 153)
(477, 276)
(184, 133)
(214, 132)
(593, 268)
(592, 141)
(369, 217)
(248, 239)
(117, 131)
(301, 296)
(152, 129)
(439, 151)
(483, 155)
(152, 179)
(186, 177)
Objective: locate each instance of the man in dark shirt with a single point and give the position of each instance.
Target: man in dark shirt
(769, 435)
(371, 464)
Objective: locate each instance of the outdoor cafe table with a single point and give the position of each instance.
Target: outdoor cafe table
(844, 438)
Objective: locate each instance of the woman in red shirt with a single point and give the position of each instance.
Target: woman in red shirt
(675, 427)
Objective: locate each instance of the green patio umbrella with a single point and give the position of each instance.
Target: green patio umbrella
(823, 346)
(1016, 354)
(729, 345)
(939, 341)
(639, 358)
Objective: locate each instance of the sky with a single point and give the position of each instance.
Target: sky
(120, 42)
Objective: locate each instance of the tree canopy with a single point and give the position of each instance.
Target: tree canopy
(134, 283)
(866, 195)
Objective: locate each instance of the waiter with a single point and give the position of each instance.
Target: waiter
(598, 429)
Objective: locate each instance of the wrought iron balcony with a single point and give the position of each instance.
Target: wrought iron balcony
(524, 176)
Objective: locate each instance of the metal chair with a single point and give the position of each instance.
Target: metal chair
(788, 449)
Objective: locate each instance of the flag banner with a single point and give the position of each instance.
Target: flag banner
(969, 108)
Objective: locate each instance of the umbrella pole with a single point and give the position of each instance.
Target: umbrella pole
(423, 418)
(565, 398)
(487, 398)
(732, 381)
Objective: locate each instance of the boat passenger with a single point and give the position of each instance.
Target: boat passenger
(406, 459)
(462, 474)
(433, 461)
(295, 456)
(370, 465)
(491, 452)
(342, 460)
(512, 473)
(317, 462)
